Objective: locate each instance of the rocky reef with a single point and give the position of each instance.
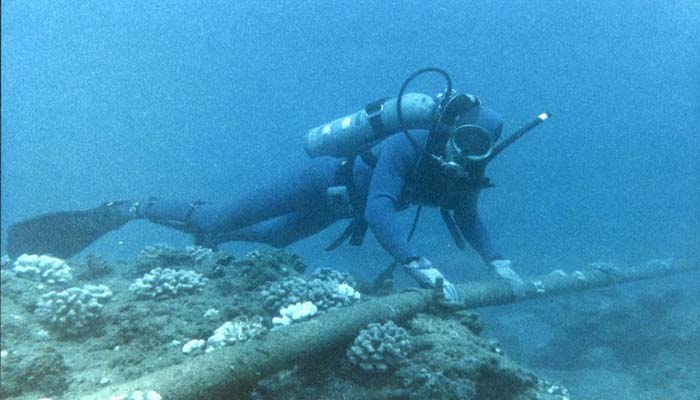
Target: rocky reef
(445, 360)
(68, 338)
(191, 301)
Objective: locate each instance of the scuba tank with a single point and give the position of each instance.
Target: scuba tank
(358, 132)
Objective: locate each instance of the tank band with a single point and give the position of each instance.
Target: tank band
(373, 111)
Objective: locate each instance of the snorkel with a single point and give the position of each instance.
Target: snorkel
(517, 135)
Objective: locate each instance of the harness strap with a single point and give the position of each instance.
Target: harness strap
(357, 228)
(369, 158)
(342, 238)
(355, 231)
(452, 228)
(343, 176)
(416, 217)
(359, 232)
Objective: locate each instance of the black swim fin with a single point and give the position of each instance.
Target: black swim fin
(66, 233)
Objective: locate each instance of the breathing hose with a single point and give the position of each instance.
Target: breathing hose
(408, 80)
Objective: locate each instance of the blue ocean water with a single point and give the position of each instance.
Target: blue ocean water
(205, 99)
(201, 100)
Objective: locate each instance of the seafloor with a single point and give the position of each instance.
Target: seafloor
(449, 357)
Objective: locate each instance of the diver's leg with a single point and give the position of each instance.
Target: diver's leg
(282, 231)
(303, 189)
(66, 233)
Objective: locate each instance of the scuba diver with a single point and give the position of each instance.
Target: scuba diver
(414, 149)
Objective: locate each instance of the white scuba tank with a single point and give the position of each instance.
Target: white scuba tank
(355, 133)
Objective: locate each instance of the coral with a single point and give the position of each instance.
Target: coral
(73, 310)
(94, 267)
(325, 294)
(202, 259)
(194, 346)
(166, 282)
(295, 312)
(328, 274)
(379, 348)
(238, 330)
(283, 293)
(161, 255)
(46, 269)
(200, 255)
(275, 258)
(259, 268)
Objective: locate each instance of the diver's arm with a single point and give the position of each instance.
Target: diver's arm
(391, 173)
(474, 231)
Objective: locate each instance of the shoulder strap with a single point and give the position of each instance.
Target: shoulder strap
(369, 158)
(355, 231)
(449, 220)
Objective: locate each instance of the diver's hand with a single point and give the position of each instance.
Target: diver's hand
(426, 275)
(503, 269)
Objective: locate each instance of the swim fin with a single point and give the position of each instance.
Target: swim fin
(65, 233)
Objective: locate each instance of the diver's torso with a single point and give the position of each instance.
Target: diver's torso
(426, 185)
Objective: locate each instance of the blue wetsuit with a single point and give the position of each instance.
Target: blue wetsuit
(296, 207)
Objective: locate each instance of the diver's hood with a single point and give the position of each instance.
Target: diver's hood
(485, 118)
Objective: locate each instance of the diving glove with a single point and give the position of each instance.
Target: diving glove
(503, 269)
(426, 276)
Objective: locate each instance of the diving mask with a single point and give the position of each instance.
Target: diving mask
(470, 143)
(466, 144)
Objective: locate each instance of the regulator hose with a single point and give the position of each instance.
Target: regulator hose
(408, 80)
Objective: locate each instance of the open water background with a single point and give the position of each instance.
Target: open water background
(204, 99)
